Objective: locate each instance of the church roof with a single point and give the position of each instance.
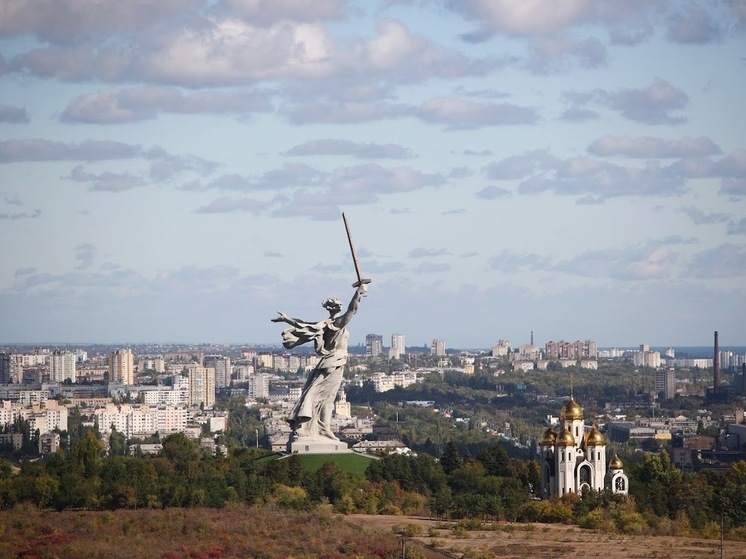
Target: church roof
(565, 438)
(595, 438)
(572, 410)
(549, 438)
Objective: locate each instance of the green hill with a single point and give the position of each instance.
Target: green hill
(353, 463)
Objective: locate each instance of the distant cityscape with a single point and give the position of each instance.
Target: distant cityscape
(157, 389)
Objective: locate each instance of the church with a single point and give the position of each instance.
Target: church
(573, 460)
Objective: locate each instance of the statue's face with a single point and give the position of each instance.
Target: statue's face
(333, 306)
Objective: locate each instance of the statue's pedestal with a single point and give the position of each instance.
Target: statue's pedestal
(320, 445)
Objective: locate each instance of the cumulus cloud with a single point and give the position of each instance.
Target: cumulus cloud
(13, 115)
(652, 260)
(62, 21)
(267, 12)
(648, 147)
(315, 194)
(599, 180)
(20, 215)
(731, 169)
(231, 205)
(692, 24)
(47, 150)
(700, 217)
(734, 187)
(650, 105)
(361, 150)
(106, 181)
(549, 54)
(594, 180)
(535, 17)
(520, 166)
(723, 261)
(212, 52)
(290, 175)
(459, 114)
(579, 114)
(493, 192)
(142, 103)
(84, 255)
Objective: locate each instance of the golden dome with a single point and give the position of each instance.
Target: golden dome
(549, 438)
(595, 438)
(565, 438)
(616, 463)
(571, 410)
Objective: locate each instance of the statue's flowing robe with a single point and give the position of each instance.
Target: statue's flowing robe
(312, 412)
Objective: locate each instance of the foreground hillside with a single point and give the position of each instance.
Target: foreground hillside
(199, 533)
(271, 533)
(519, 541)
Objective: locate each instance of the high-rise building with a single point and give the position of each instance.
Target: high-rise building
(122, 366)
(258, 385)
(373, 345)
(201, 386)
(646, 358)
(665, 382)
(223, 369)
(62, 366)
(438, 347)
(397, 348)
(5, 374)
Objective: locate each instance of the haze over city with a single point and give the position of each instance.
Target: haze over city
(176, 171)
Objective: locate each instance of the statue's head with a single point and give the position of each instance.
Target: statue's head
(333, 305)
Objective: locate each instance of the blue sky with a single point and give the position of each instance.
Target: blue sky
(175, 171)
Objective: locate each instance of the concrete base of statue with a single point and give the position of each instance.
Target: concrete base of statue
(317, 445)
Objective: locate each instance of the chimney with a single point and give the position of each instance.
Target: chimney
(743, 379)
(716, 363)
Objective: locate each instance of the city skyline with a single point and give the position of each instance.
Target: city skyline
(176, 172)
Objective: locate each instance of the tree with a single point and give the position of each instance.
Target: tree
(87, 454)
(117, 443)
(451, 459)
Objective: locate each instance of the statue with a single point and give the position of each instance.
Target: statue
(311, 415)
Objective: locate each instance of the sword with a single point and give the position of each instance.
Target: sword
(360, 280)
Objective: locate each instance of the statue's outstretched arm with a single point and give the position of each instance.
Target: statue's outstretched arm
(344, 319)
(285, 318)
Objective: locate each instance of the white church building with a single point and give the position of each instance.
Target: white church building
(573, 458)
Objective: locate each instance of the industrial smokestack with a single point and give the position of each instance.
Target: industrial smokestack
(716, 363)
(743, 379)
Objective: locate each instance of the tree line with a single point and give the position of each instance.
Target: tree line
(487, 486)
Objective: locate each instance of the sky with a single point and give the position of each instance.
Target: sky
(176, 170)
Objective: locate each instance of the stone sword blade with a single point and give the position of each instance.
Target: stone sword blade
(360, 280)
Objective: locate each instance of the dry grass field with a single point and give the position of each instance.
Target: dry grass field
(548, 541)
(274, 533)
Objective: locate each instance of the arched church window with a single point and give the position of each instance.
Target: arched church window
(620, 483)
(585, 475)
